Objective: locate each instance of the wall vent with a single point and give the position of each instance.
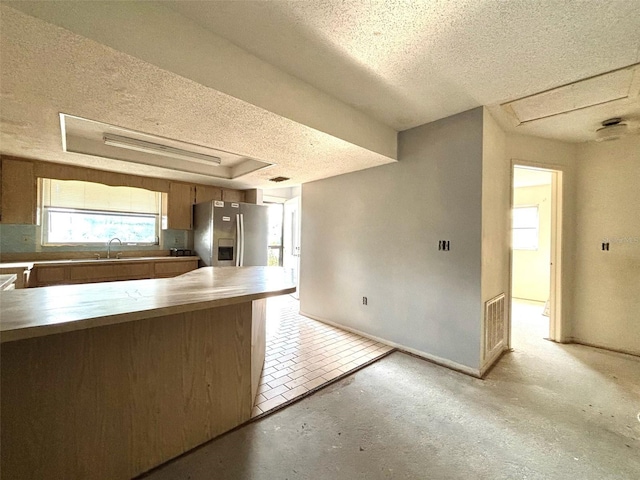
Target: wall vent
(494, 323)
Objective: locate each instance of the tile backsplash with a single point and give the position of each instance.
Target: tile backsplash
(19, 238)
(26, 238)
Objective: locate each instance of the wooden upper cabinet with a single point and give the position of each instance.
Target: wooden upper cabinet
(179, 210)
(19, 192)
(206, 193)
(232, 195)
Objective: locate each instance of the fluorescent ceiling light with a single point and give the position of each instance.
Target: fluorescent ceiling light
(158, 149)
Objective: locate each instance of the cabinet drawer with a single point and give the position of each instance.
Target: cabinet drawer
(174, 268)
(120, 271)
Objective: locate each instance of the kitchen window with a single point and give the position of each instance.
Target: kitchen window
(525, 228)
(85, 213)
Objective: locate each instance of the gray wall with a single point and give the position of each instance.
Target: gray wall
(375, 233)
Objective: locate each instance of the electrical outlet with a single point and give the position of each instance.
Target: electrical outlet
(364, 300)
(444, 245)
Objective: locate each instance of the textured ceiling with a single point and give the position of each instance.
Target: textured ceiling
(47, 70)
(407, 63)
(316, 87)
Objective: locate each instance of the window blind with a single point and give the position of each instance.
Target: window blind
(96, 196)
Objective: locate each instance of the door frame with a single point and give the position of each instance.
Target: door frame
(557, 327)
(295, 237)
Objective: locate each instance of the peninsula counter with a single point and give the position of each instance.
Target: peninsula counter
(110, 380)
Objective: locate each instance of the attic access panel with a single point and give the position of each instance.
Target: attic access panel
(621, 84)
(81, 135)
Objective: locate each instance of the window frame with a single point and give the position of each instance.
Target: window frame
(44, 210)
(535, 228)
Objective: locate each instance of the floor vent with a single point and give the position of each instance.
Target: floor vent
(494, 323)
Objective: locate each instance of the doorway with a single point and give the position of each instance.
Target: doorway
(535, 255)
(291, 240)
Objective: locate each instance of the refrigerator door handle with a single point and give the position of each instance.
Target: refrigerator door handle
(238, 240)
(242, 240)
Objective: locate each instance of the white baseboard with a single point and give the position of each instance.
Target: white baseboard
(492, 361)
(443, 362)
(602, 347)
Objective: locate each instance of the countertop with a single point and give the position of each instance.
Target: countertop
(14, 266)
(36, 312)
(93, 261)
(6, 280)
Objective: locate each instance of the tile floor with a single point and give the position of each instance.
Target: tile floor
(303, 355)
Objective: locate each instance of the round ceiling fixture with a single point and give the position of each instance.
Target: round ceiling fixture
(611, 129)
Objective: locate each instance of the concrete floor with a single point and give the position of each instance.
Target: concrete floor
(546, 411)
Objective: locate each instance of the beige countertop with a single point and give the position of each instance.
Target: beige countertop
(30, 264)
(94, 261)
(36, 312)
(7, 280)
(16, 265)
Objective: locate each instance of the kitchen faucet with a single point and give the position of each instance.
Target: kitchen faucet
(109, 246)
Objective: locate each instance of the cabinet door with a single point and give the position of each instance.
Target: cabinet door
(18, 192)
(179, 206)
(45, 276)
(206, 193)
(232, 195)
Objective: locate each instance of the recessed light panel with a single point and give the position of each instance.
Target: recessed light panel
(89, 137)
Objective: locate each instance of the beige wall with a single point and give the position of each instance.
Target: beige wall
(375, 233)
(496, 171)
(607, 295)
(601, 200)
(531, 268)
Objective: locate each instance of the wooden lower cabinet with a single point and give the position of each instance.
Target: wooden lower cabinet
(112, 272)
(115, 401)
(258, 342)
(48, 276)
(173, 269)
(43, 275)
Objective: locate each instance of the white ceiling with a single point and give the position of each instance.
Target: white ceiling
(316, 87)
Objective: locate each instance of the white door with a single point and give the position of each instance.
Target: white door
(291, 239)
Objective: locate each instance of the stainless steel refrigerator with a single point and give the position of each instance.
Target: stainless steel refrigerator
(231, 234)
